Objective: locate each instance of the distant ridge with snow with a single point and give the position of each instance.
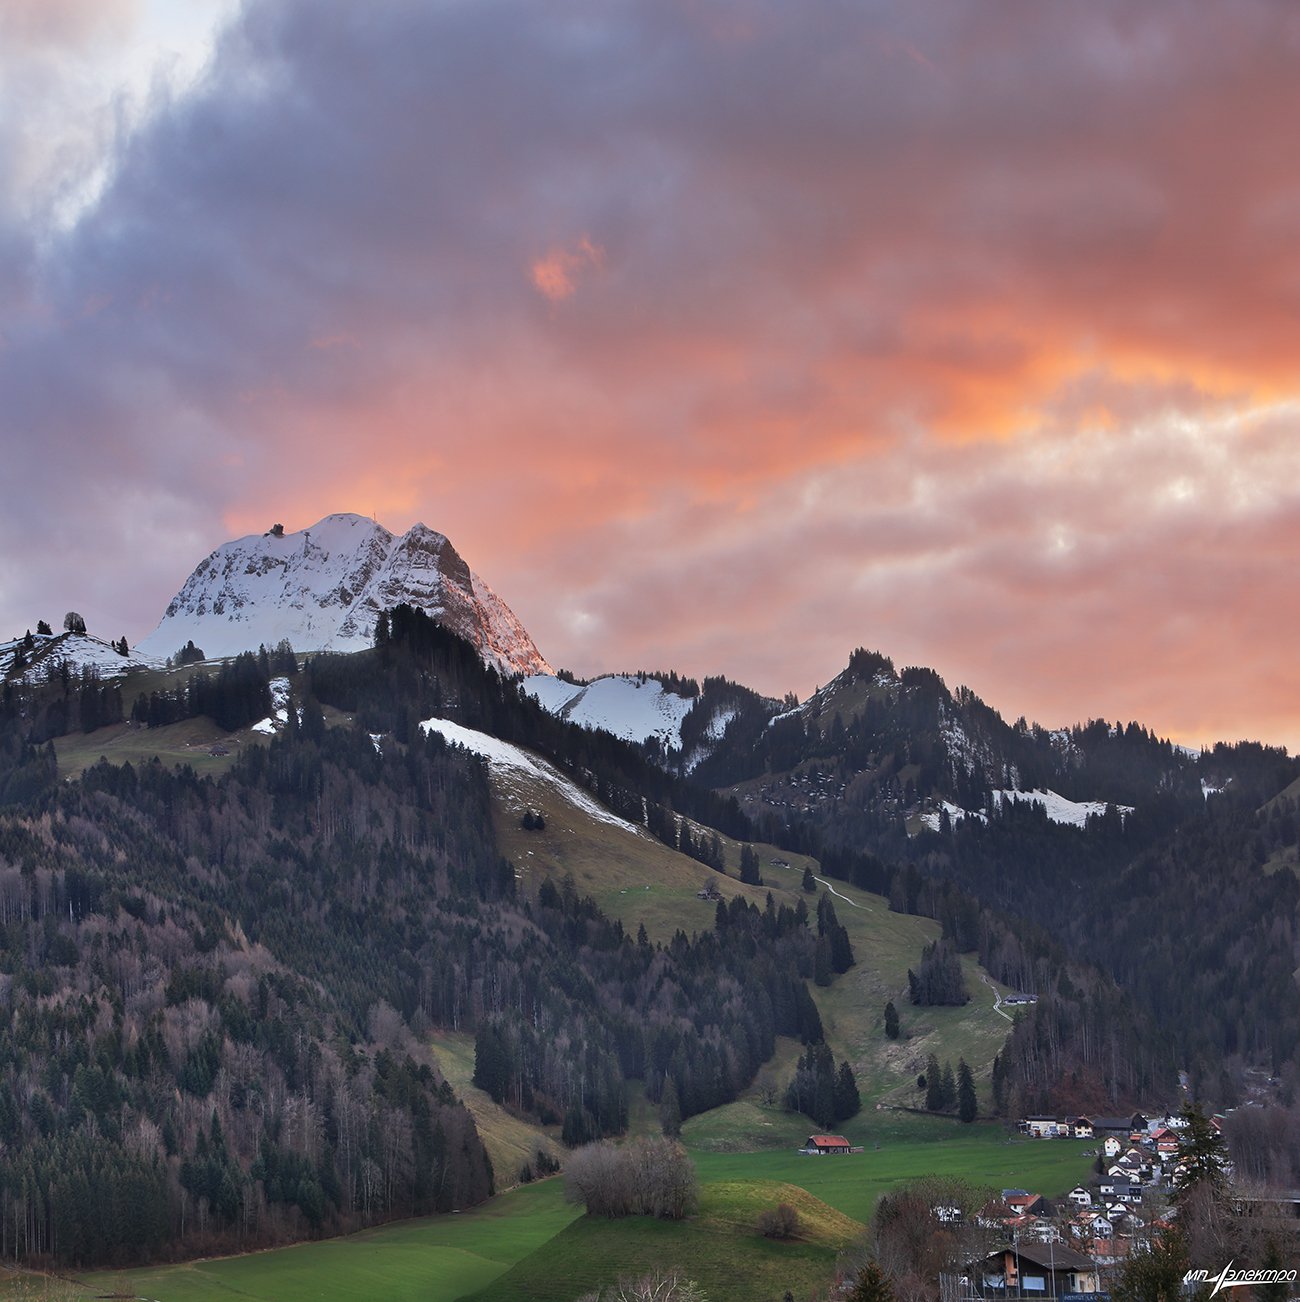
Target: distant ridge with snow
(631, 706)
(50, 652)
(323, 589)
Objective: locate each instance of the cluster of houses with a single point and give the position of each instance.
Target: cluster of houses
(1095, 1226)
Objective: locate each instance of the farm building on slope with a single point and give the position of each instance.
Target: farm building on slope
(819, 1144)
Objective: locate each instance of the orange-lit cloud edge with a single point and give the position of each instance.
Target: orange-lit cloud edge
(992, 375)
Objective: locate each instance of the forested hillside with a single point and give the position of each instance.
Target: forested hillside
(895, 781)
(220, 989)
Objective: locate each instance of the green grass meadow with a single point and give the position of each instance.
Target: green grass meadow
(529, 1244)
(433, 1259)
(718, 1247)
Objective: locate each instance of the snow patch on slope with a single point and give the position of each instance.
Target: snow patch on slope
(1075, 813)
(623, 704)
(507, 759)
(279, 715)
(932, 818)
(1072, 813)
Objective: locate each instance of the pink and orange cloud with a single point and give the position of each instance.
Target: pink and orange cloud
(555, 276)
(715, 337)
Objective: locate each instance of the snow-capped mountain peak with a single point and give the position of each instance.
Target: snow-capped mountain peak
(323, 588)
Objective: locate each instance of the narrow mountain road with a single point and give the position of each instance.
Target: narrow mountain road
(997, 998)
(839, 895)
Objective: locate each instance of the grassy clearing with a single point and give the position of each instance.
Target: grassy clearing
(908, 1147)
(754, 1122)
(435, 1259)
(1285, 858)
(719, 1247)
(885, 945)
(188, 742)
(509, 1140)
(642, 1115)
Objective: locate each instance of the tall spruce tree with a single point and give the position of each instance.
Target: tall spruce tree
(871, 1285)
(891, 1021)
(933, 1085)
(948, 1090)
(967, 1104)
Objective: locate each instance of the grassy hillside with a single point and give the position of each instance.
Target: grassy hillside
(630, 875)
(509, 1140)
(886, 945)
(720, 1248)
(435, 1259)
(191, 741)
(636, 879)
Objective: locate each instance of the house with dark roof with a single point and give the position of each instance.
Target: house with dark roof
(1119, 1126)
(1028, 1204)
(1035, 1270)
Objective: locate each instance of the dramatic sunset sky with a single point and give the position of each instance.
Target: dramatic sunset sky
(723, 337)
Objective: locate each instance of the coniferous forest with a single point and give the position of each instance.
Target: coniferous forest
(220, 989)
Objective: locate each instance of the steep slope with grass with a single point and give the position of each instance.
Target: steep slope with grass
(639, 881)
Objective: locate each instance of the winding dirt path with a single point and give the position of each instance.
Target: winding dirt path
(997, 998)
(839, 895)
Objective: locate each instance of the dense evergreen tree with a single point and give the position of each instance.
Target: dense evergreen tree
(939, 979)
(891, 1020)
(871, 1286)
(821, 1090)
(967, 1104)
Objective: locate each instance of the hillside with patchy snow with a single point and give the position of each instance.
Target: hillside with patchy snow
(324, 587)
(630, 706)
(507, 759)
(1072, 813)
(47, 654)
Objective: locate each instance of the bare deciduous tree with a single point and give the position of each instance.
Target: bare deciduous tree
(658, 1286)
(648, 1177)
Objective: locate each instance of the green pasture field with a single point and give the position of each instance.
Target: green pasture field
(188, 742)
(529, 1244)
(433, 1259)
(979, 1153)
(720, 1248)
